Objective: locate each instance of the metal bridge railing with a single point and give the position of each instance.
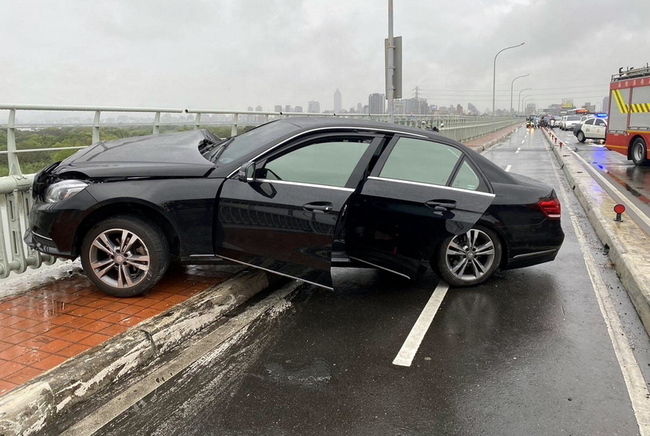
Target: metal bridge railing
(15, 188)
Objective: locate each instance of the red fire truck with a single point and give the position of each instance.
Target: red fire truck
(628, 129)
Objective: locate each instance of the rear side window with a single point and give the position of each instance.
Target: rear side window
(421, 161)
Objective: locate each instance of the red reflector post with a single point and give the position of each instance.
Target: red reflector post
(619, 209)
(551, 208)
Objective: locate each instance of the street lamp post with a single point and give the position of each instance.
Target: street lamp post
(519, 101)
(525, 100)
(494, 75)
(512, 87)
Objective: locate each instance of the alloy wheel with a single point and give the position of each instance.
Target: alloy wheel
(471, 255)
(119, 258)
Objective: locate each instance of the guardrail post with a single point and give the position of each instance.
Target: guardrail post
(235, 121)
(12, 157)
(197, 121)
(96, 127)
(156, 124)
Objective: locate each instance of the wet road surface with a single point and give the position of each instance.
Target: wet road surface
(528, 352)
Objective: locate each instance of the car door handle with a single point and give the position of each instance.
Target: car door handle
(441, 205)
(320, 206)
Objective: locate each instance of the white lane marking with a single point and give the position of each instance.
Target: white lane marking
(518, 150)
(632, 375)
(523, 141)
(508, 168)
(414, 339)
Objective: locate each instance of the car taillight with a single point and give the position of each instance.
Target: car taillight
(551, 207)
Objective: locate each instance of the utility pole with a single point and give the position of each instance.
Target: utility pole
(393, 66)
(390, 67)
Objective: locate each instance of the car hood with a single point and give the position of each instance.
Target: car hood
(167, 155)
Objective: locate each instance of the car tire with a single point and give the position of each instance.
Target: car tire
(468, 259)
(581, 136)
(639, 151)
(125, 256)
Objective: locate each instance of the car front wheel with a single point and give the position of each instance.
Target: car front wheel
(639, 151)
(468, 259)
(125, 256)
(581, 136)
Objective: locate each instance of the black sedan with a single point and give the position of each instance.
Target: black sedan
(294, 196)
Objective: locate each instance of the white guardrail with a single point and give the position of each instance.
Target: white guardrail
(15, 188)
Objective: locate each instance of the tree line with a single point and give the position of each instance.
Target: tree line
(65, 137)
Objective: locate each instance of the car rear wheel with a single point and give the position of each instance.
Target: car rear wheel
(125, 256)
(581, 136)
(639, 151)
(468, 259)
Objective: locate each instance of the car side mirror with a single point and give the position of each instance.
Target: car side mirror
(247, 172)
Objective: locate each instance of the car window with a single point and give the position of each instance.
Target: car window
(323, 163)
(422, 161)
(590, 122)
(600, 122)
(466, 178)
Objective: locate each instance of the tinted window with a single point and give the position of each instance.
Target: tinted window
(590, 122)
(324, 163)
(416, 160)
(466, 178)
(600, 123)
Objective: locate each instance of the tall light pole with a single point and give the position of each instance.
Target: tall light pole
(526, 99)
(519, 101)
(512, 87)
(390, 69)
(494, 75)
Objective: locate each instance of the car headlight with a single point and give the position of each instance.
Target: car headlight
(64, 189)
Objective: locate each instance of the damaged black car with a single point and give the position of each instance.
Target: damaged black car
(295, 197)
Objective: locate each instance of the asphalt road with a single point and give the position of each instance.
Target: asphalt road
(537, 351)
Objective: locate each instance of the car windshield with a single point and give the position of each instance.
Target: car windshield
(573, 118)
(239, 146)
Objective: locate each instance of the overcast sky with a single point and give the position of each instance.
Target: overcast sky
(232, 54)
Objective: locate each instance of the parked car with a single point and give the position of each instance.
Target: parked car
(294, 197)
(593, 128)
(570, 121)
(578, 125)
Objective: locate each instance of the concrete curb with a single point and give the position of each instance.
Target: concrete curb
(487, 145)
(627, 242)
(29, 408)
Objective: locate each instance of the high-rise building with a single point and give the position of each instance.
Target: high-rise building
(278, 108)
(313, 107)
(338, 101)
(376, 103)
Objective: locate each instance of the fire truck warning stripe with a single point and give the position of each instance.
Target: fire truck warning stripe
(622, 107)
(640, 108)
